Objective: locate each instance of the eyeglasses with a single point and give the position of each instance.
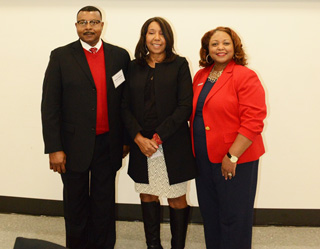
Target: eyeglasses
(85, 22)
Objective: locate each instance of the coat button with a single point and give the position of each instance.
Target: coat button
(207, 128)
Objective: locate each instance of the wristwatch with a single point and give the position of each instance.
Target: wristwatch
(232, 158)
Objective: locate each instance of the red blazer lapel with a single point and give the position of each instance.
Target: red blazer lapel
(227, 72)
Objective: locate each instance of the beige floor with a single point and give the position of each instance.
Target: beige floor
(130, 234)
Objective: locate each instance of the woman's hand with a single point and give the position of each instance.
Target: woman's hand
(228, 168)
(147, 146)
(239, 146)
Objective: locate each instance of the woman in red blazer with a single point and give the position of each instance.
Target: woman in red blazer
(226, 125)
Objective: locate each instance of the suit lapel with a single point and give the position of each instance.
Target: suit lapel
(221, 81)
(109, 60)
(82, 60)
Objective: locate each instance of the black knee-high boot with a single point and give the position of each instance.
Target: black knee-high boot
(178, 226)
(151, 221)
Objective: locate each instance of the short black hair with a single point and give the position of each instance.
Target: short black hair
(89, 8)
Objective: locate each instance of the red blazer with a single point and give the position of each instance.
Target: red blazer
(235, 104)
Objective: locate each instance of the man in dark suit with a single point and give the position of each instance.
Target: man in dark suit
(83, 131)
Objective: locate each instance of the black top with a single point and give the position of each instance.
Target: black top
(202, 96)
(199, 133)
(150, 111)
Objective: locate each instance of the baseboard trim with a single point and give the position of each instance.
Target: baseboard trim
(132, 212)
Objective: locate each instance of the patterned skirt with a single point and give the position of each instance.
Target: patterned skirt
(158, 179)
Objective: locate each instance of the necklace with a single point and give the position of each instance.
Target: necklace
(214, 75)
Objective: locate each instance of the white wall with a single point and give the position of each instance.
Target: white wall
(281, 39)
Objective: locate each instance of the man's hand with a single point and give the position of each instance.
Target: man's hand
(57, 161)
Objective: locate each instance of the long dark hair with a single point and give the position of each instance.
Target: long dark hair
(141, 51)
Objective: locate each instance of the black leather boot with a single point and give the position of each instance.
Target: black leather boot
(151, 221)
(178, 226)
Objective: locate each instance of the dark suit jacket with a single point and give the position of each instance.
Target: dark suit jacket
(69, 103)
(173, 94)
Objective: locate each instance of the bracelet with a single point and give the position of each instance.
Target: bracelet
(157, 138)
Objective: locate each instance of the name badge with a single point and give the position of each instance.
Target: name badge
(200, 84)
(118, 78)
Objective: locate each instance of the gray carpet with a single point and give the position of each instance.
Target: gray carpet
(131, 235)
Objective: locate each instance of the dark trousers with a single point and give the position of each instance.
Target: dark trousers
(89, 202)
(227, 206)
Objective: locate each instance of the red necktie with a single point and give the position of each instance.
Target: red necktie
(93, 50)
